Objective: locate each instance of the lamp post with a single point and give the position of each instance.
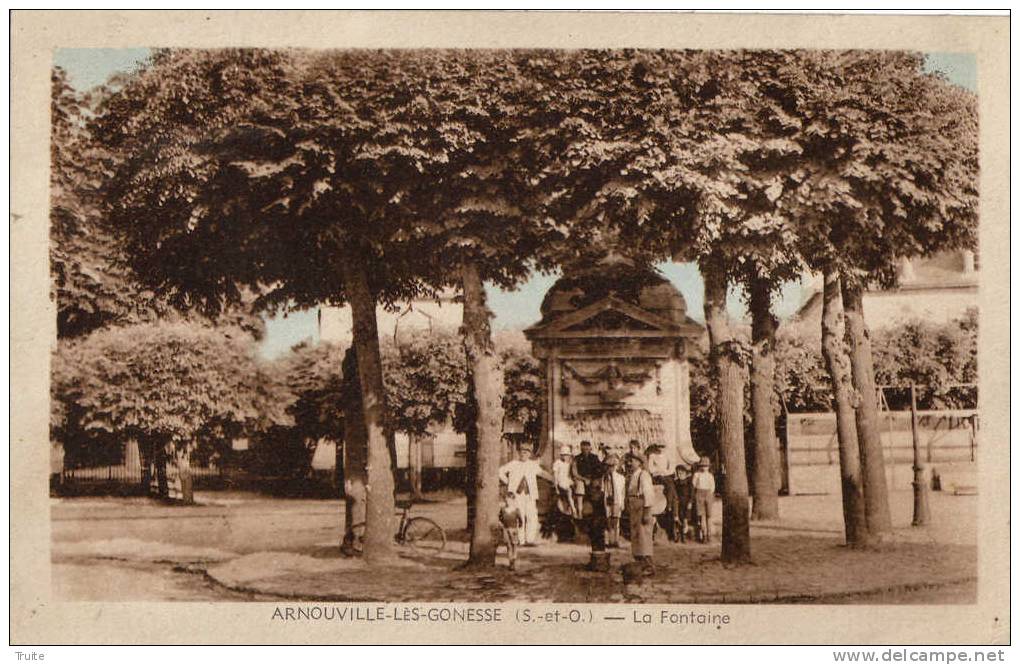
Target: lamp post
(922, 515)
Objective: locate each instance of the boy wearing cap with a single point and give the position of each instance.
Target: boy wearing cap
(615, 484)
(640, 498)
(662, 475)
(585, 467)
(703, 484)
(684, 492)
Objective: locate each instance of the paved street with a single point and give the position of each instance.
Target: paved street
(245, 547)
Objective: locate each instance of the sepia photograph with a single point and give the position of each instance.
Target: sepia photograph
(465, 328)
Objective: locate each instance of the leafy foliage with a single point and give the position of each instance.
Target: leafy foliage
(936, 357)
(888, 158)
(266, 168)
(91, 285)
(801, 377)
(426, 382)
(524, 390)
(175, 384)
(312, 373)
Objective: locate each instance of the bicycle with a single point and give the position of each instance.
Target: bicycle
(420, 533)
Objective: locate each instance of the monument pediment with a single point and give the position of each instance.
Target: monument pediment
(614, 341)
(611, 317)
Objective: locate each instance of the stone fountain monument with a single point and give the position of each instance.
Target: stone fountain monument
(614, 340)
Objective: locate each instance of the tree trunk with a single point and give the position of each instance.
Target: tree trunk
(736, 533)
(182, 460)
(470, 459)
(414, 466)
(838, 365)
(765, 496)
(862, 366)
(486, 380)
(355, 451)
(544, 454)
(162, 484)
(338, 466)
(145, 461)
(379, 488)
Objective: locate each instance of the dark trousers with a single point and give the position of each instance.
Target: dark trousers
(669, 489)
(597, 525)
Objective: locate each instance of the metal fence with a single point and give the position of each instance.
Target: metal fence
(122, 467)
(945, 438)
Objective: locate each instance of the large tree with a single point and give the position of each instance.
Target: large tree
(887, 169)
(472, 218)
(172, 387)
(287, 172)
(692, 163)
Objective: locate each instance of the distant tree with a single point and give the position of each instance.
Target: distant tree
(801, 376)
(523, 390)
(426, 379)
(936, 357)
(311, 372)
(173, 387)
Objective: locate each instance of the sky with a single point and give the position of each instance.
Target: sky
(87, 68)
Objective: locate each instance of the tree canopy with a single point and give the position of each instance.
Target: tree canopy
(170, 384)
(92, 285)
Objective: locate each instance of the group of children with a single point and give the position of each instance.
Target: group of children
(600, 492)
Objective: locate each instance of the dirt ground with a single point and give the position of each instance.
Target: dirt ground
(247, 547)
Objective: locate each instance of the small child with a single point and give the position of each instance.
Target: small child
(511, 521)
(615, 489)
(703, 484)
(564, 483)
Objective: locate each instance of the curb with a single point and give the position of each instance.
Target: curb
(722, 599)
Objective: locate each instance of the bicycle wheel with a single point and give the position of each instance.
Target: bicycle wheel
(358, 537)
(424, 535)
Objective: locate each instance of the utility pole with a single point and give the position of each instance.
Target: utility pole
(922, 515)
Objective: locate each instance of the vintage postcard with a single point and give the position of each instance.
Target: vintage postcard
(519, 327)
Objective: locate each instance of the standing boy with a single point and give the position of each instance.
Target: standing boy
(615, 484)
(512, 522)
(640, 497)
(586, 467)
(704, 494)
(684, 492)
